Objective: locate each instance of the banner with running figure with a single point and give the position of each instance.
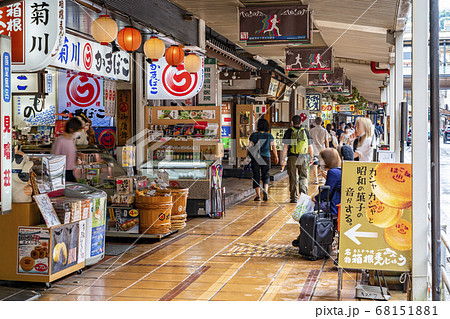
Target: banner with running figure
(274, 24)
(327, 79)
(309, 59)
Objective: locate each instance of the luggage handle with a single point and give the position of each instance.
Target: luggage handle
(321, 189)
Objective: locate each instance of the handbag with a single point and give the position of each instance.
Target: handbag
(304, 205)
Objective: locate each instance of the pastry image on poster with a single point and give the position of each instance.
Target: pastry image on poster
(375, 218)
(65, 246)
(33, 250)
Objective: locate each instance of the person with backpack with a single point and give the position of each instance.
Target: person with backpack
(260, 144)
(297, 147)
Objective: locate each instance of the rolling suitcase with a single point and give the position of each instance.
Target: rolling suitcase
(316, 231)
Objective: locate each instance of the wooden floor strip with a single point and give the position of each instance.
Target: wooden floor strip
(184, 284)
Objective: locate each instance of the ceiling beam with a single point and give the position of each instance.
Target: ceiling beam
(348, 26)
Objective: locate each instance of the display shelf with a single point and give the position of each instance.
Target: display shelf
(185, 114)
(145, 236)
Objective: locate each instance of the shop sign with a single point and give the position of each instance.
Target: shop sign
(326, 112)
(345, 89)
(327, 79)
(25, 83)
(37, 29)
(110, 98)
(65, 245)
(165, 82)
(345, 107)
(309, 59)
(123, 116)
(82, 94)
(274, 24)
(33, 250)
(106, 136)
(313, 102)
(90, 57)
(287, 94)
(34, 109)
(6, 124)
(82, 241)
(375, 220)
(12, 25)
(208, 93)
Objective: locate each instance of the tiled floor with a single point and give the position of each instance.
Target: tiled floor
(191, 265)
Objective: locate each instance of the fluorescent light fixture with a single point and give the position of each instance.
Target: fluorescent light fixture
(261, 59)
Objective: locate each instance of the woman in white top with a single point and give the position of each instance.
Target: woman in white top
(364, 148)
(345, 136)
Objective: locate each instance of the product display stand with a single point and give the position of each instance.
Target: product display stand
(25, 215)
(144, 236)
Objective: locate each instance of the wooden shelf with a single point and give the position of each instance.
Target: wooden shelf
(145, 236)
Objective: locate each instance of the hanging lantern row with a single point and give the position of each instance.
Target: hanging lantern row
(105, 30)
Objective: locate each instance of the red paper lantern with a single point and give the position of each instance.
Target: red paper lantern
(174, 55)
(129, 39)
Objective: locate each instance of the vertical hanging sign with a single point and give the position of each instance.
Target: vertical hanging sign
(123, 116)
(208, 94)
(6, 123)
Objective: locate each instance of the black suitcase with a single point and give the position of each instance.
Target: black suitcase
(317, 231)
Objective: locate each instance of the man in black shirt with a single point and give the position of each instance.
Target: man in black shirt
(297, 163)
(340, 130)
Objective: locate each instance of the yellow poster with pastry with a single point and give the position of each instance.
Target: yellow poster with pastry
(375, 218)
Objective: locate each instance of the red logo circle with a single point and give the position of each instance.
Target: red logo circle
(174, 184)
(107, 138)
(177, 81)
(87, 56)
(123, 107)
(83, 91)
(41, 267)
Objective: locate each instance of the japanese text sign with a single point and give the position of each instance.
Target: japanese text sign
(12, 25)
(274, 24)
(313, 102)
(38, 28)
(6, 124)
(208, 93)
(309, 59)
(375, 217)
(123, 116)
(345, 107)
(90, 57)
(166, 82)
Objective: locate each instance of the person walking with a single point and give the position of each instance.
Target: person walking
(363, 143)
(65, 145)
(345, 136)
(297, 146)
(340, 130)
(332, 140)
(259, 151)
(320, 142)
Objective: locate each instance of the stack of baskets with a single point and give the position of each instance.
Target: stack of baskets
(178, 215)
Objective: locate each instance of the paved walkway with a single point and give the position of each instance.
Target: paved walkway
(245, 256)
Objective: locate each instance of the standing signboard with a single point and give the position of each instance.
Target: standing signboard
(6, 123)
(208, 93)
(269, 25)
(309, 59)
(123, 116)
(327, 79)
(375, 219)
(226, 125)
(166, 82)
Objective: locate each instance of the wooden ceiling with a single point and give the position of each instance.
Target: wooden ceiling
(355, 28)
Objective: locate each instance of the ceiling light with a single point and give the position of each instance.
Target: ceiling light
(260, 59)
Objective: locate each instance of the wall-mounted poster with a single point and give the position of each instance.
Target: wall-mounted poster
(313, 102)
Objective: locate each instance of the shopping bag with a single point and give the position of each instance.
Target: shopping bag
(304, 205)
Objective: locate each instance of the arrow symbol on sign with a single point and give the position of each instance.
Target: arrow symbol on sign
(352, 233)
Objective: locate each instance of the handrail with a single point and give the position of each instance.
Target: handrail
(444, 276)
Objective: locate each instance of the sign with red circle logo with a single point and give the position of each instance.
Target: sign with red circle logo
(83, 91)
(107, 138)
(168, 82)
(87, 56)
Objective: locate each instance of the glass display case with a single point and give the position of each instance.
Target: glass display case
(177, 170)
(244, 128)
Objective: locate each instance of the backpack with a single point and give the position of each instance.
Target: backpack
(299, 141)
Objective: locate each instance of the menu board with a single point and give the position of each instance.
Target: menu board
(47, 210)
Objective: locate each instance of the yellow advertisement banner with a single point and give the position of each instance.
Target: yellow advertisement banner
(375, 217)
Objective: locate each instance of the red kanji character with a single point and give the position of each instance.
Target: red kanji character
(7, 150)
(7, 178)
(7, 124)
